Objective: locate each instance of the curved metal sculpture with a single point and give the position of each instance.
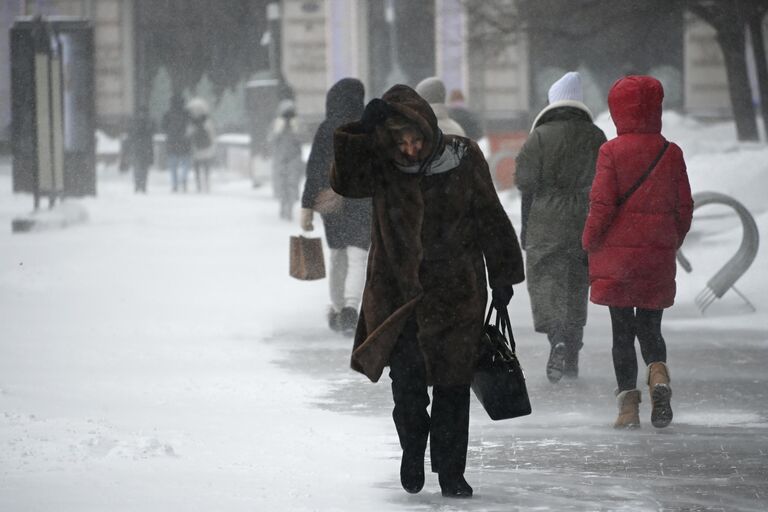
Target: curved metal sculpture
(726, 277)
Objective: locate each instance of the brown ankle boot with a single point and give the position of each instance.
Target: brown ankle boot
(661, 393)
(629, 409)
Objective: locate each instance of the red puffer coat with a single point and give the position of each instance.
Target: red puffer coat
(632, 247)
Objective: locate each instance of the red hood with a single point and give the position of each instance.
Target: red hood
(635, 104)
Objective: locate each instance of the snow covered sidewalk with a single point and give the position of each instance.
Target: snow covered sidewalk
(134, 375)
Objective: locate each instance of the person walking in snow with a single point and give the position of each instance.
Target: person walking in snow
(347, 222)
(138, 151)
(287, 167)
(438, 226)
(178, 147)
(640, 210)
(554, 172)
(432, 89)
(467, 119)
(202, 135)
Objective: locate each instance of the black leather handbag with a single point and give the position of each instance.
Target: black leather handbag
(498, 381)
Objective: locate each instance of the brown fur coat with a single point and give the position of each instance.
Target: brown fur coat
(432, 238)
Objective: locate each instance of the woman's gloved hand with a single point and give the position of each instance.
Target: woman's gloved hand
(376, 112)
(501, 296)
(306, 219)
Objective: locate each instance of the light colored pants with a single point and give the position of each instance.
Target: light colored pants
(346, 277)
(178, 165)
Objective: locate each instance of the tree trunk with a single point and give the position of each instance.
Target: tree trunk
(758, 42)
(734, 51)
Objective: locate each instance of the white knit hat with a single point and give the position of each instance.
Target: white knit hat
(432, 89)
(567, 88)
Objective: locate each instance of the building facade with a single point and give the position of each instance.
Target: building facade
(324, 40)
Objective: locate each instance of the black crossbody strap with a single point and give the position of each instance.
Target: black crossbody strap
(642, 178)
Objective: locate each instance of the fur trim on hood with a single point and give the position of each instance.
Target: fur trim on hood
(407, 103)
(563, 103)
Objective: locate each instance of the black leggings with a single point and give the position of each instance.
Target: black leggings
(646, 325)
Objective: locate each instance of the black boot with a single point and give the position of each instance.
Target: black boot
(454, 486)
(348, 321)
(412, 470)
(334, 320)
(571, 368)
(556, 362)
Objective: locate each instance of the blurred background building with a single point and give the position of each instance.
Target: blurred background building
(502, 54)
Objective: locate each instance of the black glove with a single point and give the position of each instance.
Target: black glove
(376, 112)
(501, 296)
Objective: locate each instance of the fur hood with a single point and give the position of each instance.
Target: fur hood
(557, 104)
(407, 103)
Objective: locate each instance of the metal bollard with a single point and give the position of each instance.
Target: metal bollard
(726, 277)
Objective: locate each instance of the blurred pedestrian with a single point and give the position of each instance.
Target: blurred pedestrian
(287, 166)
(347, 221)
(469, 120)
(438, 226)
(432, 89)
(138, 149)
(178, 147)
(554, 172)
(202, 135)
(640, 211)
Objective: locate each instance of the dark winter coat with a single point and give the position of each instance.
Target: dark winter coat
(351, 226)
(287, 167)
(554, 173)
(430, 236)
(468, 120)
(632, 247)
(138, 149)
(175, 125)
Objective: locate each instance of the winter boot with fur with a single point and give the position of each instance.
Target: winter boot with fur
(658, 387)
(629, 409)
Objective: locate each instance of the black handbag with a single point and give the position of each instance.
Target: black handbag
(498, 381)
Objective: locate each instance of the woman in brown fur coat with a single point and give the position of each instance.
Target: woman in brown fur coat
(437, 226)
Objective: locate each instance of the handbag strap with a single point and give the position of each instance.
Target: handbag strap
(642, 178)
(502, 323)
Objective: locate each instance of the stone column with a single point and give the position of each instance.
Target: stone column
(451, 44)
(705, 80)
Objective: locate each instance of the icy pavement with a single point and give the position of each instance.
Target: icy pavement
(566, 455)
(158, 358)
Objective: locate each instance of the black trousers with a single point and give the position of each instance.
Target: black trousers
(448, 426)
(140, 178)
(646, 325)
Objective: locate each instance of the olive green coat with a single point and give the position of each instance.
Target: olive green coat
(554, 173)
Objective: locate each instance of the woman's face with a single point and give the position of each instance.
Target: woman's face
(409, 144)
